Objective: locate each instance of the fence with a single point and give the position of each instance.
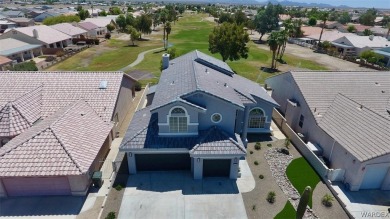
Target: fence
(141, 103)
(317, 164)
(301, 43)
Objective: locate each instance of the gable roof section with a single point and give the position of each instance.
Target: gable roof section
(364, 41)
(87, 26)
(68, 29)
(196, 71)
(18, 115)
(46, 34)
(66, 143)
(10, 46)
(59, 89)
(4, 60)
(100, 22)
(361, 131)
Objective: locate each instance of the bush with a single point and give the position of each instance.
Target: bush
(258, 146)
(261, 176)
(50, 58)
(327, 200)
(256, 163)
(271, 197)
(138, 86)
(118, 187)
(269, 145)
(108, 36)
(251, 152)
(253, 207)
(284, 151)
(287, 142)
(60, 53)
(110, 215)
(25, 66)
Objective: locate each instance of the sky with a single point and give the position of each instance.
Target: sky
(351, 3)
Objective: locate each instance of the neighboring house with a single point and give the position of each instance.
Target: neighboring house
(45, 15)
(70, 30)
(5, 24)
(19, 50)
(102, 23)
(5, 63)
(57, 127)
(13, 14)
(198, 119)
(385, 52)
(329, 36)
(22, 22)
(355, 45)
(308, 30)
(346, 114)
(380, 31)
(93, 30)
(40, 34)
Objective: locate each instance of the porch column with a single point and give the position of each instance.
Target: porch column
(245, 128)
(131, 163)
(234, 164)
(55, 45)
(198, 168)
(32, 54)
(21, 56)
(40, 51)
(61, 45)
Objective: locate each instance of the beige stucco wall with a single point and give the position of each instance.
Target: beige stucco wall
(3, 193)
(79, 184)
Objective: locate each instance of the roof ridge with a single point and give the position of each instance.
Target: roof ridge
(63, 147)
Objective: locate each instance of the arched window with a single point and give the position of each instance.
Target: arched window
(256, 118)
(178, 120)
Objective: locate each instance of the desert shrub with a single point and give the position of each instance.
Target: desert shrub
(261, 176)
(271, 197)
(251, 152)
(60, 53)
(118, 187)
(50, 58)
(258, 146)
(256, 163)
(327, 200)
(111, 215)
(108, 36)
(138, 86)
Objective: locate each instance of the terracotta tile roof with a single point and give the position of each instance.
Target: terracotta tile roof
(18, 115)
(4, 60)
(59, 89)
(65, 143)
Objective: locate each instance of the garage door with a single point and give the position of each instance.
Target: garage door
(162, 162)
(37, 186)
(216, 168)
(374, 176)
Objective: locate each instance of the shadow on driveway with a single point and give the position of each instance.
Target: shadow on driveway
(41, 205)
(182, 181)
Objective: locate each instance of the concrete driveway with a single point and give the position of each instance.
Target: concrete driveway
(177, 195)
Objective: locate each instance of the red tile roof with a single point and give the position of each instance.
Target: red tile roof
(4, 60)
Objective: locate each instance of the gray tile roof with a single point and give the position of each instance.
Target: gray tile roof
(196, 71)
(59, 89)
(65, 143)
(361, 131)
(12, 46)
(212, 141)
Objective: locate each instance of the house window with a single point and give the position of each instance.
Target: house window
(301, 120)
(256, 118)
(178, 120)
(216, 118)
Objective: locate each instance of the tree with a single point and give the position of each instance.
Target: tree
(121, 22)
(230, 41)
(110, 27)
(367, 32)
(181, 9)
(267, 20)
(250, 24)
(282, 43)
(225, 17)
(312, 21)
(134, 34)
(240, 17)
(273, 46)
(144, 24)
(156, 20)
(130, 20)
(323, 17)
(61, 19)
(344, 18)
(130, 9)
(83, 14)
(115, 10)
(163, 19)
(168, 29)
(351, 28)
(368, 18)
(103, 13)
(371, 57)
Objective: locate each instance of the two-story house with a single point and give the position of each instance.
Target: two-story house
(197, 119)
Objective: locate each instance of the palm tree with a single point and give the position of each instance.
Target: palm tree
(273, 46)
(283, 38)
(324, 17)
(168, 29)
(164, 19)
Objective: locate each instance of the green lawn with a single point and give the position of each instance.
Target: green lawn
(301, 174)
(288, 212)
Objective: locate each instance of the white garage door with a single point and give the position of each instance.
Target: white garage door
(30, 186)
(374, 176)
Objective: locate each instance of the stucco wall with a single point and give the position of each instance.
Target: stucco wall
(3, 193)
(79, 184)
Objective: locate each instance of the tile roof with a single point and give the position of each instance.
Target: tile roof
(65, 143)
(68, 29)
(211, 141)
(364, 41)
(12, 46)
(46, 34)
(361, 131)
(100, 22)
(4, 60)
(87, 25)
(196, 71)
(329, 35)
(20, 114)
(59, 89)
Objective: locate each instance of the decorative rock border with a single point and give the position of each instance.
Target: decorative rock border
(278, 163)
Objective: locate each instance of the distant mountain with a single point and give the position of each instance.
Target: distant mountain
(301, 4)
(231, 2)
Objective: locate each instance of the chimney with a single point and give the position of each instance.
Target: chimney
(165, 61)
(35, 34)
(371, 37)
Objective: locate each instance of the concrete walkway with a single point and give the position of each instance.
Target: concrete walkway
(139, 59)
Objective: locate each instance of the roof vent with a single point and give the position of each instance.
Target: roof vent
(173, 82)
(225, 85)
(377, 84)
(383, 92)
(35, 34)
(103, 85)
(360, 107)
(371, 37)
(207, 71)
